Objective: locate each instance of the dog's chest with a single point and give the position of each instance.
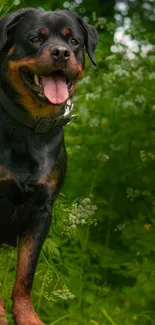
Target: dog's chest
(29, 176)
(26, 166)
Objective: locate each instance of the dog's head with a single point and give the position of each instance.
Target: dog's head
(42, 56)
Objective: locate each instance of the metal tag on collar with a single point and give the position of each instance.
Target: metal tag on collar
(68, 107)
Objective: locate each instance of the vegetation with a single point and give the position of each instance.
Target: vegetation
(97, 266)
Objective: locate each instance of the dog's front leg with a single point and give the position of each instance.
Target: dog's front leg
(29, 246)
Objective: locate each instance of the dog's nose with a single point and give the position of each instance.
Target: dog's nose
(60, 53)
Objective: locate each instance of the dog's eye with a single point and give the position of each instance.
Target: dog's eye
(74, 42)
(35, 39)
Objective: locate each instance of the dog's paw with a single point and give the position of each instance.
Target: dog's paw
(24, 314)
(23, 319)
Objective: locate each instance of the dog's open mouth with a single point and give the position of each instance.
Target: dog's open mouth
(54, 88)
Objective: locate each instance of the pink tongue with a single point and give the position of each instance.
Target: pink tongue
(55, 89)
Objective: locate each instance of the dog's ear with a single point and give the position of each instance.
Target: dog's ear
(91, 39)
(90, 35)
(8, 23)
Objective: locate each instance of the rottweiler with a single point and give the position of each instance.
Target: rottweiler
(41, 60)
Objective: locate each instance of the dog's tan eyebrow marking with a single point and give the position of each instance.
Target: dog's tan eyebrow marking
(65, 31)
(44, 31)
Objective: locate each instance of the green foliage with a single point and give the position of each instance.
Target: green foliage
(84, 7)
(104, 273)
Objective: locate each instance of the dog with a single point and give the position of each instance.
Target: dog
(41, 60)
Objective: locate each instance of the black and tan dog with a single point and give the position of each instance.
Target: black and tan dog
(41, 60)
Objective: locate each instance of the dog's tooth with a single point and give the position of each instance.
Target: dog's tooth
(36, 80)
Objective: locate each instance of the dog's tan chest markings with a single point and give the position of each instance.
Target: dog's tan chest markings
(50, 179)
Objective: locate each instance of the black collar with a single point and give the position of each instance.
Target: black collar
(38, 124)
